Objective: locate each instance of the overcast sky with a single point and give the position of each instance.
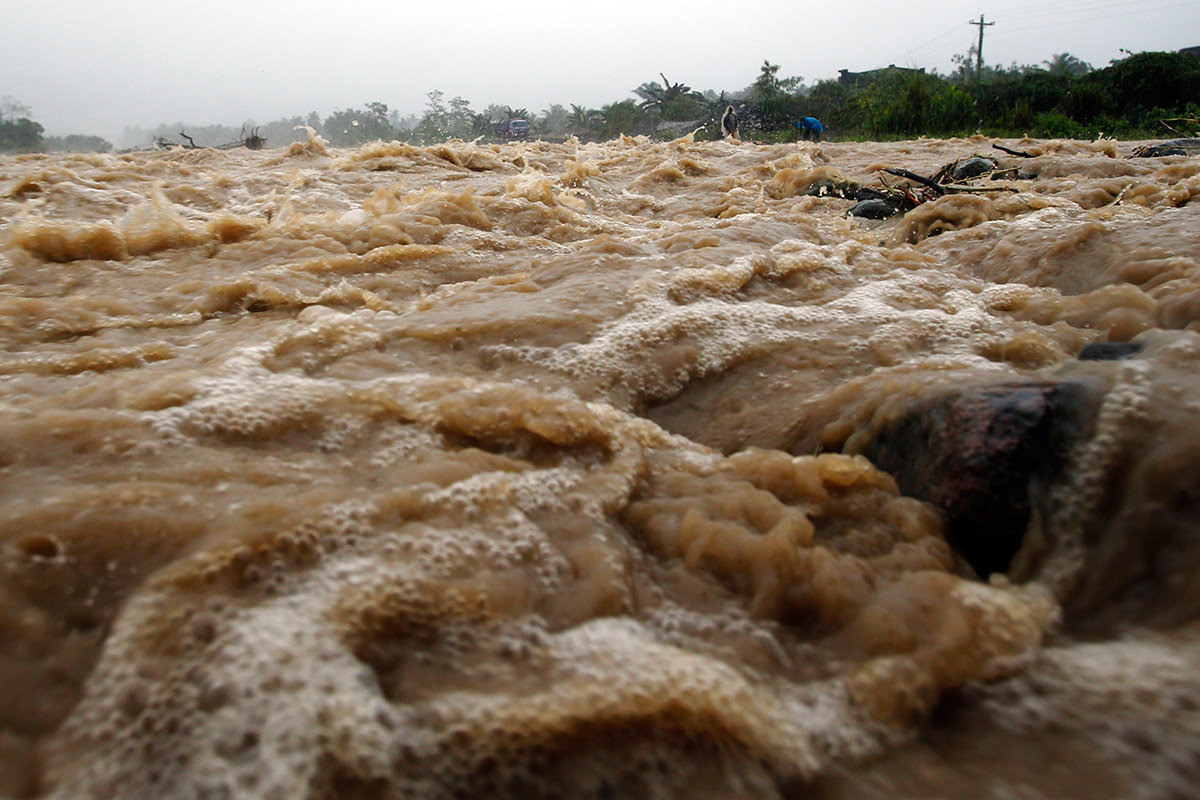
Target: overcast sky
(95, 66)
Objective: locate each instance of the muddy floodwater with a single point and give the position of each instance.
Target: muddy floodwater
(618, 470)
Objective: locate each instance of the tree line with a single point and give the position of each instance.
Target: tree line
(1144, 95)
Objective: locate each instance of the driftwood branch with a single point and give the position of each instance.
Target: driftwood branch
(912, 176)
(1164, 122)
(958, 189)
(943, 173)
(191, 143)
(1020, 153)
(1116, 201)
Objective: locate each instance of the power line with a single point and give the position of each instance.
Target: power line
(951, 32)
(1101, 17)
(1073, 7)
(1061, 7)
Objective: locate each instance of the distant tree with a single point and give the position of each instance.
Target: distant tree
(21, 135)
(584, 121)
(773, 98)
(966, 71)
(554, 120)
(673, 101)
(626, 117)
(1067, 64)
(1011, 101)
(911, 103)
(714, 104)
(498, 113)
(460, 120)
(769, 86)
(18, 133)
(379, 111)
(1145, 81)
(826, 102)
(651, 94)
(481, 125)
(76, 143)
(353, 126)
(408, 122)
(201, 135)
(12, 109)
(281, 132)
(435, 123)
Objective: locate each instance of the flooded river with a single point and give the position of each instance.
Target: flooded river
(597, 470)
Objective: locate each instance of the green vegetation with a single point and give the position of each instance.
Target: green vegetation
(18, 133)
(1129, 99)
(76, 143)
(20, 136)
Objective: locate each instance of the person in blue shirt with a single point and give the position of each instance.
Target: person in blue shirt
(810, 127)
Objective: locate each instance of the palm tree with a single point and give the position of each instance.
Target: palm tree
(583, 120)
(555, 119)
(657, 97)
(1067, 64)
(498, 113)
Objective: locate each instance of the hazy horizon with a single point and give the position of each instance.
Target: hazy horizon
(95, 70)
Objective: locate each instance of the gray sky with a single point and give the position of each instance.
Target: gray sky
(95, 66)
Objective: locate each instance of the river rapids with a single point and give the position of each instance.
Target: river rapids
(550, 470)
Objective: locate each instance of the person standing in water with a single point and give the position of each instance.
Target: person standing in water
(810, 127)
(729, 124)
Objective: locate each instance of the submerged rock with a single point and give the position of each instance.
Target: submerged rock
(1110, 351)
(1158, 151)
(874, 208)
(984, 455)
(973, 168)
(875, 205)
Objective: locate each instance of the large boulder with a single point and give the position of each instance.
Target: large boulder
(985, 455)
(973, 168)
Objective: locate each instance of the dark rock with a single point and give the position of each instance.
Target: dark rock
(972, 168)
(875, 208)
(1158, 151)
(873, 204)
(985, 455)
(867, 193)
(832, 186)
(1110, 351)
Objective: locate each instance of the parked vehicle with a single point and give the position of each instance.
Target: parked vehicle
(512, 129)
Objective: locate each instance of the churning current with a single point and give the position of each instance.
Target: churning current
(622, 470)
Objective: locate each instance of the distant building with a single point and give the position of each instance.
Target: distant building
(852, 80)
(1194, 52)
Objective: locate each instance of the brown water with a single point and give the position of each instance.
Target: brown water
(533, 471)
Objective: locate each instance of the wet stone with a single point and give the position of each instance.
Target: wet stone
(874, 208)
(874, 205)
(972, 168)
(984, 455)
(1158, 151)
(1110, 351)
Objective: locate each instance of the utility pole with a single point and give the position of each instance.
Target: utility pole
(979, 49)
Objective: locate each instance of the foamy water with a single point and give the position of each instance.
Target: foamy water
(538, 470)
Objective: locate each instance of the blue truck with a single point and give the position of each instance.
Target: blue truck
(512, 129)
